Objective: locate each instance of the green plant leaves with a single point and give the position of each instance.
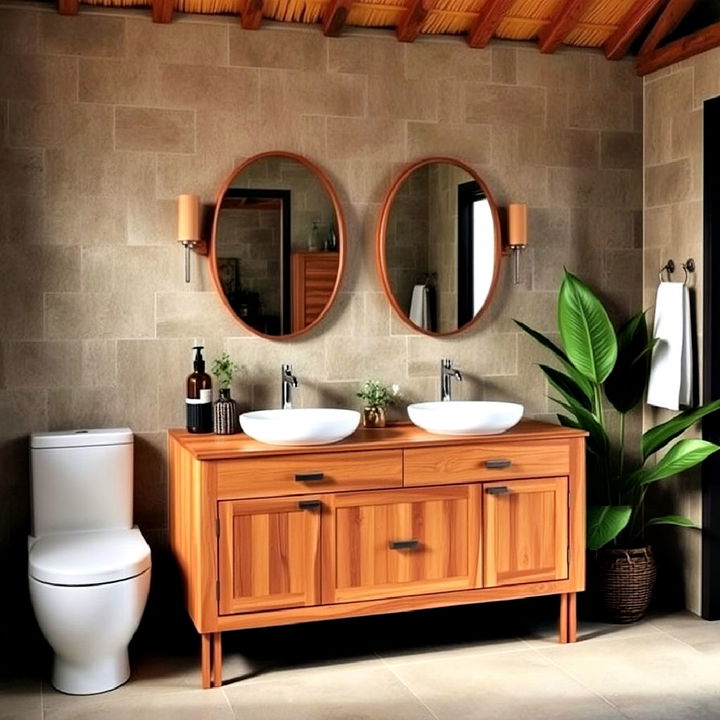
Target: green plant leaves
(605, 523)
(679, 520)
(681, 456)
(659, 436)
(586, 331)
(565, 385)
(598, 440)
(625, 386)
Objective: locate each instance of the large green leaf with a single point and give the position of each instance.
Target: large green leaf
(625, 386)
(586, 331)
(681, 456)
(679, 520)
(659, 436)
(598, 440)
(573, 372)
(567, 386)
(605, 523)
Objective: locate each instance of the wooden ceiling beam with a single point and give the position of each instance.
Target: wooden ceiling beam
(162, 11)
(618, 44)
(671, 16)
(251, 14)
(565, 19)
(700, 41)
(68, 7)
(409, 26)
(487, 21)
(335, 17)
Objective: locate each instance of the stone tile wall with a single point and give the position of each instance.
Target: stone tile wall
(673, 228)
(106, 117)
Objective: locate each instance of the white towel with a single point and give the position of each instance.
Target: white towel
(419, 312)
(671, 378)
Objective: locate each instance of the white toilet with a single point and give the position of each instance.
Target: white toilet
(89, 569)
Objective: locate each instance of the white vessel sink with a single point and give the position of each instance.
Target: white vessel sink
(300, 426)
(465, 417)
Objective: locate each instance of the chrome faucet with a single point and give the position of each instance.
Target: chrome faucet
(289, 381)
(447, 373)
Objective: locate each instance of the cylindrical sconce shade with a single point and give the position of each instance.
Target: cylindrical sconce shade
(188, 218)
(517, 225)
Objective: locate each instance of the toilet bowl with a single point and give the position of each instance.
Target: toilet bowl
(88, 568)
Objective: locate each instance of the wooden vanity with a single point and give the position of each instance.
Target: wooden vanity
(385, 521)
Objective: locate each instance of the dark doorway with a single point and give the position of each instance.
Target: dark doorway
(711, 361)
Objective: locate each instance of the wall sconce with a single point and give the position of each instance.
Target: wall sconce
(189, 228)
(516, 234)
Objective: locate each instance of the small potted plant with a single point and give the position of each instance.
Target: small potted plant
(226, 416)
(377, 397)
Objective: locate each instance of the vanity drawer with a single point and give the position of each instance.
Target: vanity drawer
(308, 473)
(491, 461)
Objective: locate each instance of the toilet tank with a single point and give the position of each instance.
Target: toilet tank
(81, 480)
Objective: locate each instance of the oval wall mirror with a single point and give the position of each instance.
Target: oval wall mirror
(278, 244)
(438, 245)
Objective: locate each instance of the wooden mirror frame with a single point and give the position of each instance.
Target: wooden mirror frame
(341, 233)
(381, 243)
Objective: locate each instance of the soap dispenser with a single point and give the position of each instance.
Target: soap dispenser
(198, 401)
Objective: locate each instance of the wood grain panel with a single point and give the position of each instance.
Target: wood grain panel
(314, 275)
(525, 531)
(275, 477)
(360, 528)
(433, 466)
(269, 555)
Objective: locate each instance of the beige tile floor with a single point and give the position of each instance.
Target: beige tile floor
(461, 664)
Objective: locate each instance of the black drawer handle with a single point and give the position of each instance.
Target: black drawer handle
(309, 504)
(404, 544)
(497, 464)
(309, 476)
(497, 490)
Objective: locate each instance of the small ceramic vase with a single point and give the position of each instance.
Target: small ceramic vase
(226, 415)
(374, 417)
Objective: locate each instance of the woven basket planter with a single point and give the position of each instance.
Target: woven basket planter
(625, 582)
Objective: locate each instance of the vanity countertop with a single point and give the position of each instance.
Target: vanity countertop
(397, 435)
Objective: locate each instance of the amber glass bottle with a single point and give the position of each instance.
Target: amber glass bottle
(198, 401)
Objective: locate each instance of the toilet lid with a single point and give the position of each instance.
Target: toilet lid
(89, 558)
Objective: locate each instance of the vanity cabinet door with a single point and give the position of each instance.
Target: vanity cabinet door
(525, 531)
(392, 543)
(269, 554)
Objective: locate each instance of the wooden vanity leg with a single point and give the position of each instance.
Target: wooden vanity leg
(572, 617)
(205, 660)
(217, 659)
(563, 634)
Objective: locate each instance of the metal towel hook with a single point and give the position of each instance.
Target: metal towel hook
(670, 267)
(688, 267)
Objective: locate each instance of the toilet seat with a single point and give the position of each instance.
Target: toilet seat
(89, 558)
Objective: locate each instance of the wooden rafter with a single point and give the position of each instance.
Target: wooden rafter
(162, 11)
(487, 21)
(335, 17)
(409, 26)
(68, 7)
(618, 44)
(671, 16)
(565, 19)
(251, 14)
(682, 49)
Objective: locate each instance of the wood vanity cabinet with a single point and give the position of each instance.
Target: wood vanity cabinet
(313, 278)
(388, 520)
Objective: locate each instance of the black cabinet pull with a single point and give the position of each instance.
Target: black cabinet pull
(497, 464)
(497, 490)
(309, 504)
(309, 476)
(404, 544)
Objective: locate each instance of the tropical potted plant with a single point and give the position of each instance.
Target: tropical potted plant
(598, 364)
(225, 410)
(377, 397)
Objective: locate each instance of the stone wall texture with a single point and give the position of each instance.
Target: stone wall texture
(673, 228)
(106, 117)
